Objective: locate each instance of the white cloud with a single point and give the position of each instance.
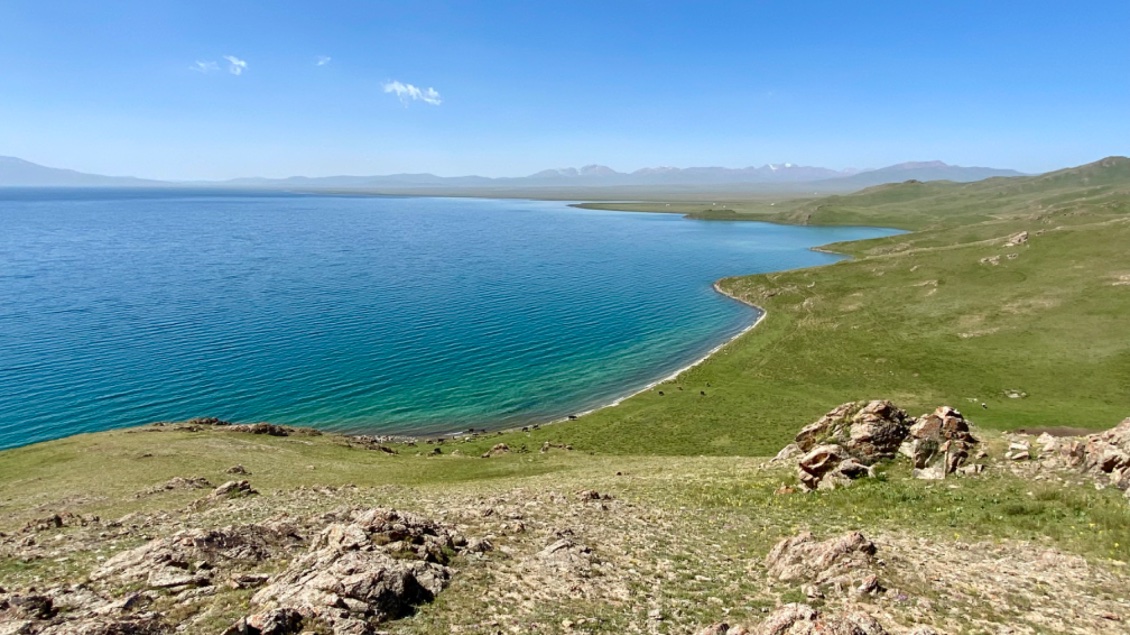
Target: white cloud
(236, 66)
(408, 92)
(204, 67)
(322, 60)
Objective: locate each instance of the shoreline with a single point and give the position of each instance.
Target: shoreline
(762, 313)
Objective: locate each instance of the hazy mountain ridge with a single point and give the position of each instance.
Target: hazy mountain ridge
(16, 172)
(925, 171)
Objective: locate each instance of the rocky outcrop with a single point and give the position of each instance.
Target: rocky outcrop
(1105, 456)
(801, 619)
(178, 483)
(869, 431)
(30, 606)
(194, 557)
(149, 624)
(273, 622)
(61, 519)
(828, 467)
(842, 444)
(213, 424)
(842, 564)
(233, 489)
(845, 443)
(75, 611)
(939, 443)
(363, 567)
(373, 566)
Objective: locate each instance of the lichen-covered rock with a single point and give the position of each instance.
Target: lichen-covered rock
(842, 563)
(378, 565)
(272, 622)
(147, 624)
(232, 489)
(29, 606)
(1105, 455)
(939, 443)
(801, 619)
(828, 467)
(868, 431)
(399, 533)
(190, 558)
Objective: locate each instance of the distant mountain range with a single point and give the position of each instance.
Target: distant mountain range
(19, 173)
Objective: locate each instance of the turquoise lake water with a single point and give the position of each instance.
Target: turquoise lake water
(374, 315)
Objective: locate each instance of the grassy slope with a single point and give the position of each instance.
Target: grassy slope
(915, 205)
(916, 318)
(108, 473)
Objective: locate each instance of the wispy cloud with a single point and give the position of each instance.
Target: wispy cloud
(408, 92)
(204, 67)
(236, 66)
(322, 60)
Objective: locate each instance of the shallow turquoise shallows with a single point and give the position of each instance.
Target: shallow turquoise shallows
(374, 315)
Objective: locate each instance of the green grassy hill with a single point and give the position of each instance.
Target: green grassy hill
(947, 314)
(1101, 187)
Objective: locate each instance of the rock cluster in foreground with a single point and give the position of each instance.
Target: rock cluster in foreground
(849, 440)
(362, 568)
(1104, 456)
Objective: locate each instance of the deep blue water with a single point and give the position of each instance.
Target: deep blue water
(380, 315)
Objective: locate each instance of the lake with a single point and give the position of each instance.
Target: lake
(377, 315)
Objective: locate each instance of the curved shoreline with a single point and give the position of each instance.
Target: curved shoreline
(674, 375)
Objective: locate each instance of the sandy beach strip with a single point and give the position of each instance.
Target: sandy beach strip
(674, 375)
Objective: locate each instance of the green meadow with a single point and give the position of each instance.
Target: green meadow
(947, 314)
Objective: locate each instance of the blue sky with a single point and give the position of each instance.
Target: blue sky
(146, 88)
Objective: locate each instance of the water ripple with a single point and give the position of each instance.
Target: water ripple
(381, 315)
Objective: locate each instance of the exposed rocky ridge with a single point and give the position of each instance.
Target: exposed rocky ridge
(1104, 456)
(376, 565)
(537, 548)
(1101, 458)
(363, 567)
(841, 564)
(598, 556)
(847, 442)
(196, 557)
